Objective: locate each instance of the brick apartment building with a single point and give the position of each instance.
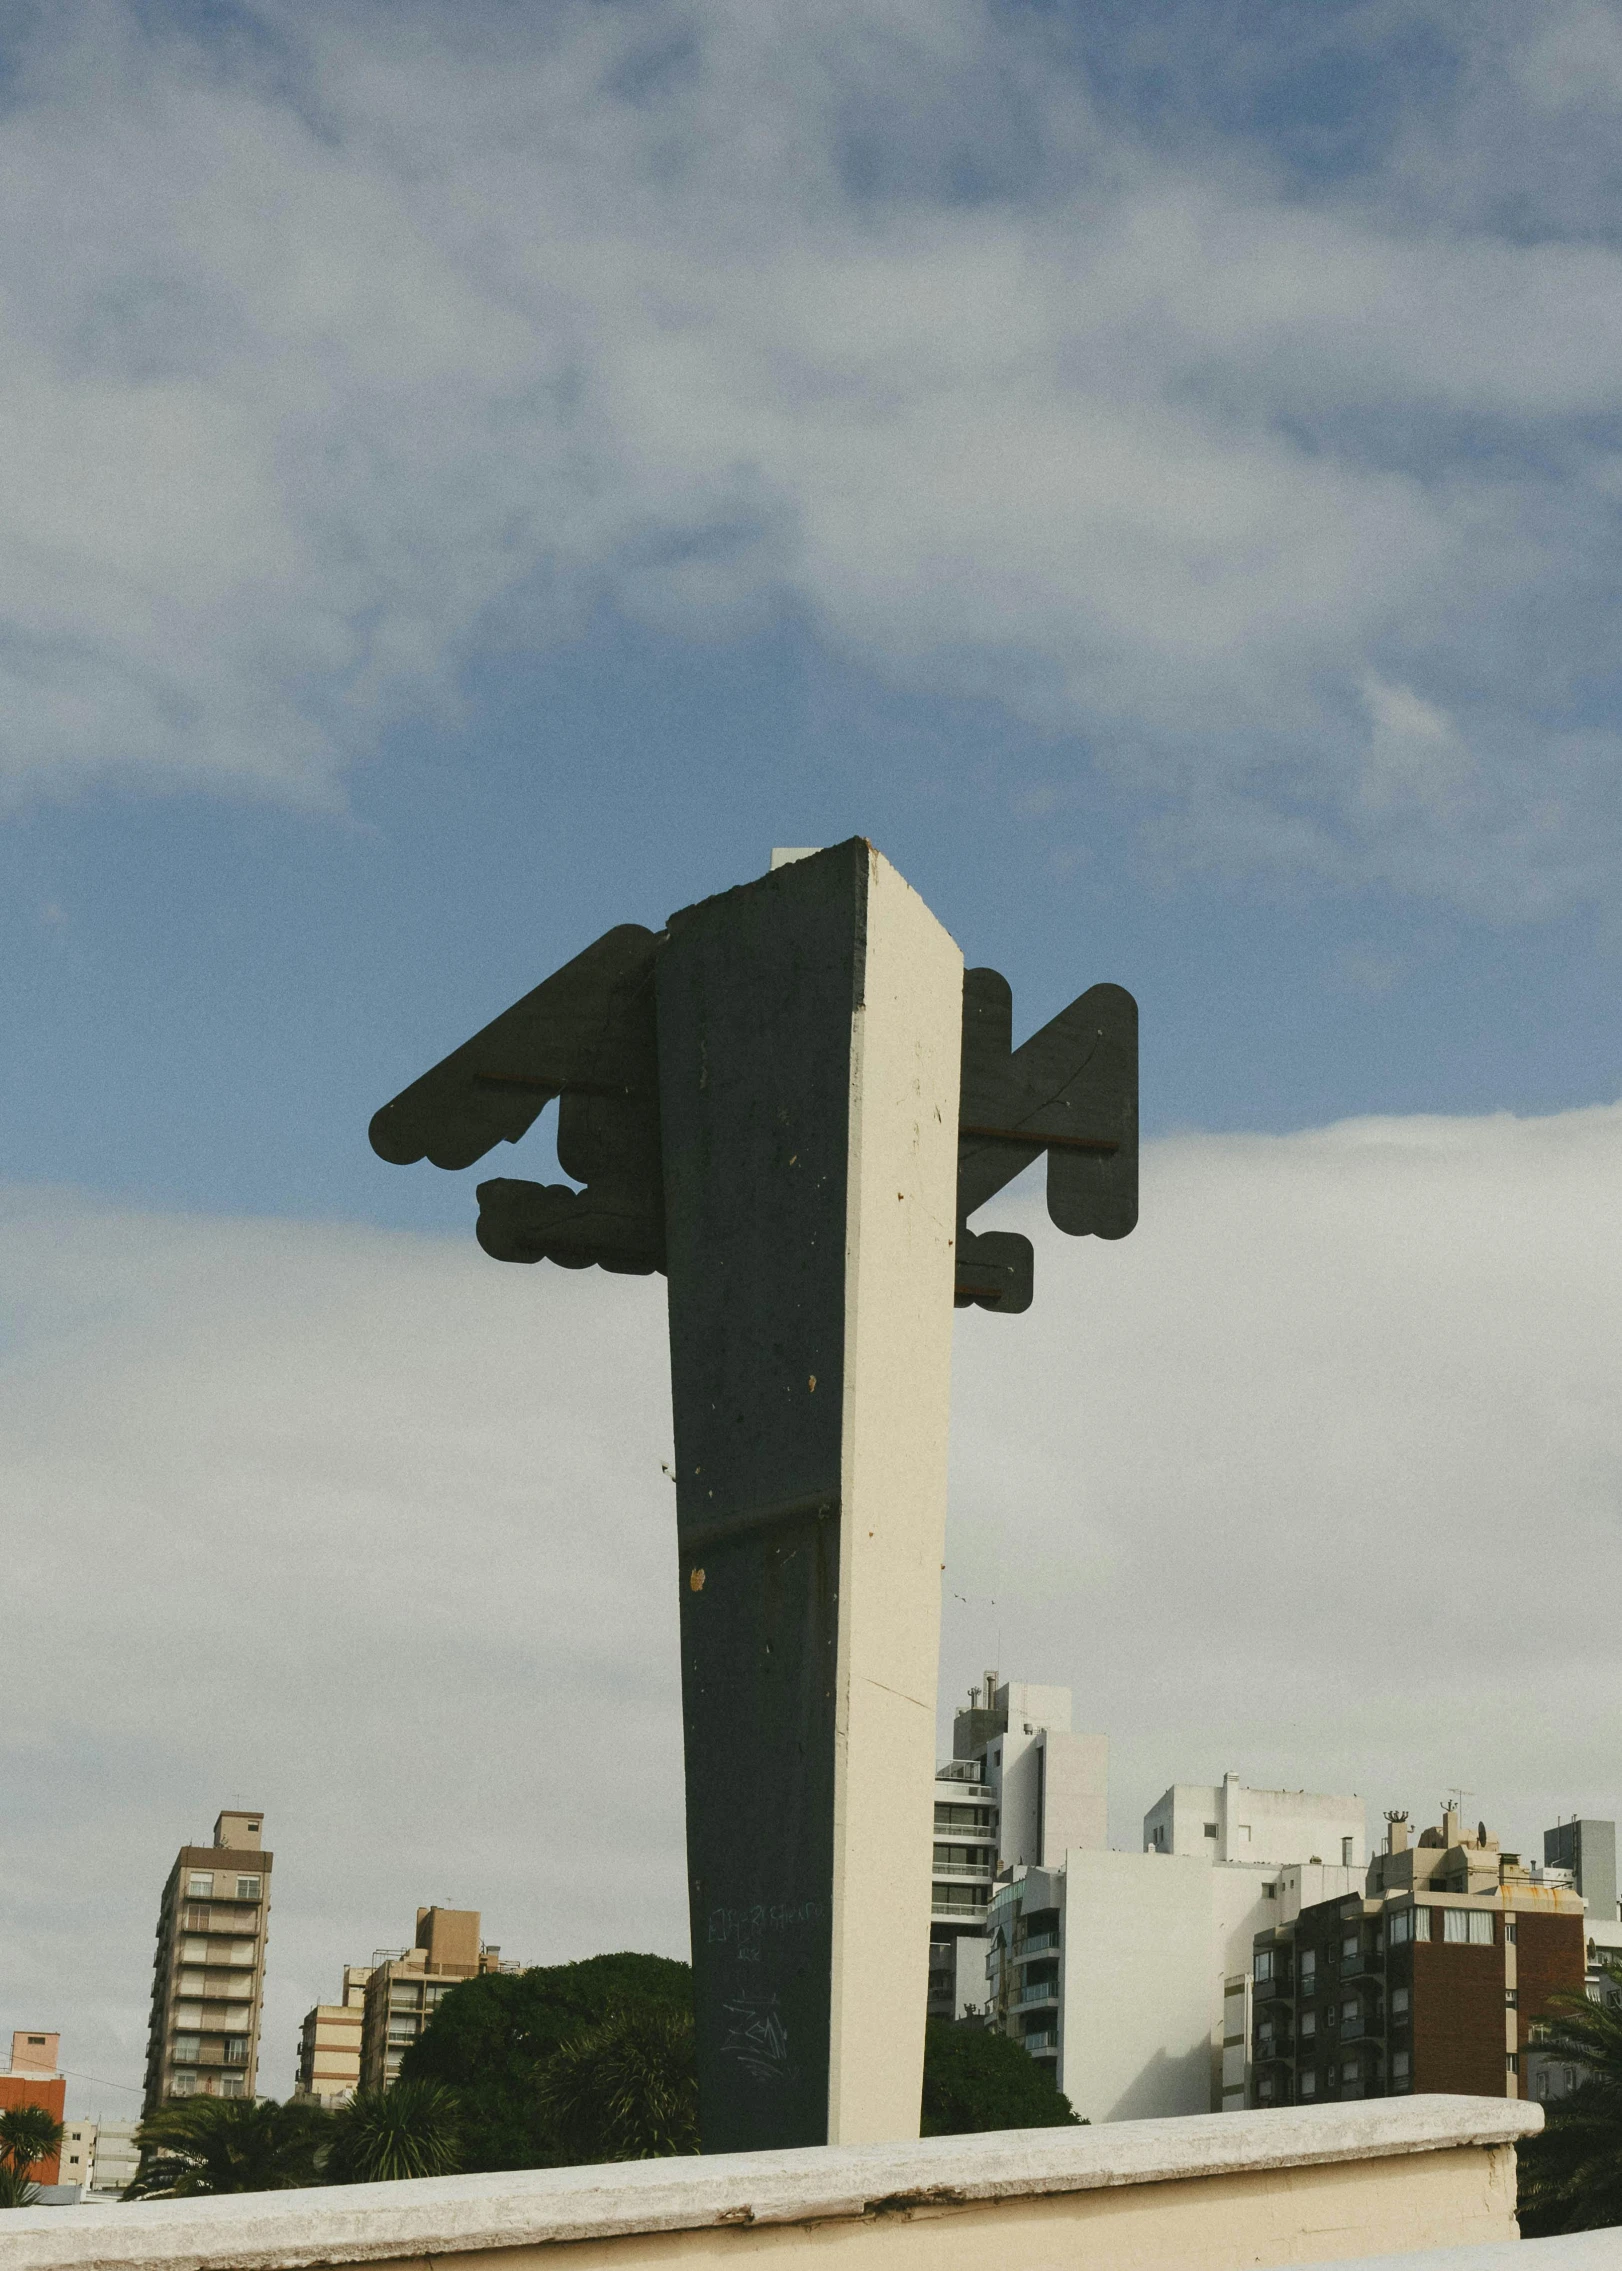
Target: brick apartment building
(34, 2080)
(1435, 1979)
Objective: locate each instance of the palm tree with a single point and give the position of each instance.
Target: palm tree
(626, 2089)
(382, 2135)
(1571, 2176)
(193, 2145)
(27, 2134)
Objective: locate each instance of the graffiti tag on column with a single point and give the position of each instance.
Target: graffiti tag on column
(744, 1927)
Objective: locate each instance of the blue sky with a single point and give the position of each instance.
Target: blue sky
(484, 473)
(477, 473)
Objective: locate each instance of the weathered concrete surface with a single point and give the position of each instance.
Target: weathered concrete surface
(1215, 2192)
(810, 1038)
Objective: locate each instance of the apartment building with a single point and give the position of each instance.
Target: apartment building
(1233, 1822)
(1434, 1978)
(405, 1986)
(115, 2157)
(1021, 1787)
(208, 1973)
(1128, 1974)
(1588, 1850)
(34, 2080)
(77, 2160)
(329, 2048)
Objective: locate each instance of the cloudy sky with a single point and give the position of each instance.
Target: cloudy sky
(479, 472)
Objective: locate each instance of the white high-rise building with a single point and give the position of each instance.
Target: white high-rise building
(1021, 1788)
(1129, 1973)
(1229, 1821)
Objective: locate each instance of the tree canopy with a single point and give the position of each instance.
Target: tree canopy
(976, 2079)
(205, 2145)
(493, 2039)
(1571, 2175)
(415, 2129)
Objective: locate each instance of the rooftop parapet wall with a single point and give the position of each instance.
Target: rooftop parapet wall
(1209, 2193)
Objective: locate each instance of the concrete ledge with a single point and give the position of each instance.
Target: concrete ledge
(1170, 2168)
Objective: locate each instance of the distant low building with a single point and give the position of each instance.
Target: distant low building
(117, 2157)
(1436, 1978)
(406, 1985)
(77, 2160)
(329, 2050)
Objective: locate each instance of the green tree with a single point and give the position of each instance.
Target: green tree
(492, 2039)
(625, 2089)
(1571, 2175)
(380, 2135)
(28, 2133)
(975, 2078)
(194, 2145)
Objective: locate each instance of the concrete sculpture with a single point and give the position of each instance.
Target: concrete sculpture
(790, 1101)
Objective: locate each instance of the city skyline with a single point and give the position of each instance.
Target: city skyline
(1149, 470)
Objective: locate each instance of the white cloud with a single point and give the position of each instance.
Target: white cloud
(1316, 1477)
(365, 338)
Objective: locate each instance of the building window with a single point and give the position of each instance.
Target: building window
(1351, 2070)
(200, 1884)
(1210, 1829)
(185, 2050)
(1308, 2084)
(1399, 2065)
(1264, 2088)
(1307, 2026)
(1512, 2063)
(1350, 1948)
(1512, 2000)
(1509, 1929)
(1399, 2002)
(1309, 1970)
(183, 2086)
(1346, 1853)
(1471, 1927)
(232, 2086)
(1264, 1965)
(1349, 2011)
(248, 1888)
(195, 1920)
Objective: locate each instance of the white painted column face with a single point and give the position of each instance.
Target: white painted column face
(901, 1208)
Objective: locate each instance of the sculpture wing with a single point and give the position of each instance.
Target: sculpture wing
(578, 1031)
(1071, 1090)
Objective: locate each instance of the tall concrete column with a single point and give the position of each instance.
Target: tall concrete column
(810, 1030)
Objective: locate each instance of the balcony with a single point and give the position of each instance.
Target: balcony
(1041, 1991)
(945, 1872)
(1036, 1944)
(1038, 2040)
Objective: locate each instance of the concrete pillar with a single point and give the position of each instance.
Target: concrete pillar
(809, 1049)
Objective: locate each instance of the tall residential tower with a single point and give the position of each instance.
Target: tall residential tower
(209, 1971)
